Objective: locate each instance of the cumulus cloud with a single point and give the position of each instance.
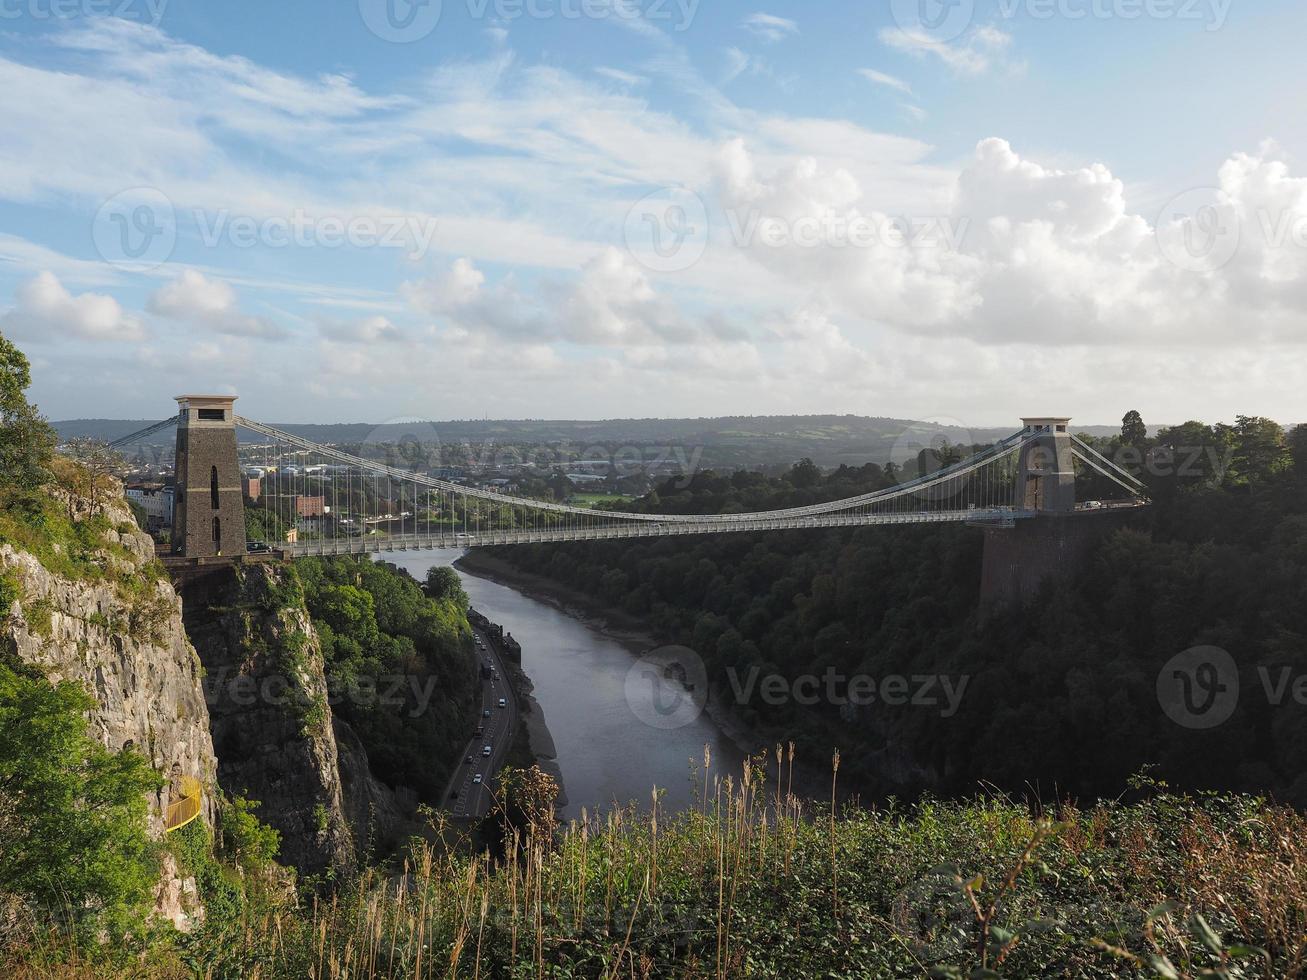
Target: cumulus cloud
(45, 310)
(1028, 254)
(209, 303)
(609, 303)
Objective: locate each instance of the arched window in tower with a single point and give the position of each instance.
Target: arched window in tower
(213, 487)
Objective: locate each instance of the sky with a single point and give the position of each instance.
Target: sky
(364, 210)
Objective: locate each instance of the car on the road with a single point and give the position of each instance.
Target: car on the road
(486, 750)
(486, 713)
(467, 761)
(503, 702)
(257, 547)
(481, 730)
(476, 780)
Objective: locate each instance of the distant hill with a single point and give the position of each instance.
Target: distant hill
(728, 442)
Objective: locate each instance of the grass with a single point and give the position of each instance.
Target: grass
(81, 547)
(597, 500)
(753, 882)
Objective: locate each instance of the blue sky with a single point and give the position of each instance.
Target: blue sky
(593, 208)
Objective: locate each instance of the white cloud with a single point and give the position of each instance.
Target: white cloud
(626, 78)
(1027, 254)
(770, 27)
(889, 81)
(610, 303)
(448, 292)
(975, 53)
(530, 171)
(368, 330)
(211, 304)
(45, 310)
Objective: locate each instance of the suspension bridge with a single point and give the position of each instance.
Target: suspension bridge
(314, 499)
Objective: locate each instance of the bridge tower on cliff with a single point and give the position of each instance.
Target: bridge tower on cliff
(1056, 540)
(209, 507)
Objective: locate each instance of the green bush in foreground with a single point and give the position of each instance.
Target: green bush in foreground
(73, 834)
(753, 883)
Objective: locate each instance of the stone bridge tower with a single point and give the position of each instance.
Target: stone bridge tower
(1046, 475)
(209, 510)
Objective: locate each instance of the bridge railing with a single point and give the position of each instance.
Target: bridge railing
(186, 807)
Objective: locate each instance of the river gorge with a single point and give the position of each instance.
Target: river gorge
(580, 671)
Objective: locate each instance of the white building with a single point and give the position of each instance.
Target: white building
(157, 503)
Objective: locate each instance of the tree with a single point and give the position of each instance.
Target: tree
(26, 439)
(73, 835)
(92, 479)
(1298, 451)
(443, 583)
(804, 473)
(1260, 449)
(1133, 430)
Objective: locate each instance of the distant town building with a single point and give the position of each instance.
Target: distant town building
(157, 502)
(310, 506)
(252, 487)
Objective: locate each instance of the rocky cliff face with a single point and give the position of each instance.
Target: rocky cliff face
(121, 636)
(379, 816)
(268, 709)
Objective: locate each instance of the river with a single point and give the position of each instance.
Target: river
(606, 753)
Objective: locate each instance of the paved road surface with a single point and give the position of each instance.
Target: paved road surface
(473, 801)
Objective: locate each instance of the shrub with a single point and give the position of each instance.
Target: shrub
(73, 834)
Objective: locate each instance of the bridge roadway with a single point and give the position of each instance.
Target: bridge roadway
(370, 544)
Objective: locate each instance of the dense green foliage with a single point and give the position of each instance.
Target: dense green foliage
(399, 664)
(74, 847)
(1063, 698)
(753, 883)
(26, 441)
